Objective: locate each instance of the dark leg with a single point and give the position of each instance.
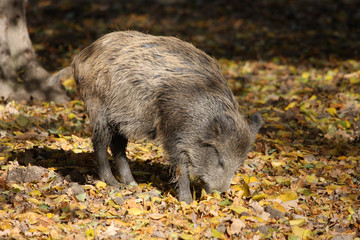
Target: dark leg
(183, 180)
(118, 147)
(183, 190)
(101, 140)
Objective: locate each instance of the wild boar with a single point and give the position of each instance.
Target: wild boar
(137, 86)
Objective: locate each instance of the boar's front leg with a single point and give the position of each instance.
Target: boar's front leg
(118, 147)
(101, 140)
(183, 181)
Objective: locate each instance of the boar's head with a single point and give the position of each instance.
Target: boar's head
(223, 149)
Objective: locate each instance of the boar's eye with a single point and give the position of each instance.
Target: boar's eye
(221, 163)
(213, 153)
(220, 160)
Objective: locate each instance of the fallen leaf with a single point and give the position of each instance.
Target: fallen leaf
(100, 185)
(236, 226)
(288, 196)
(81, 197)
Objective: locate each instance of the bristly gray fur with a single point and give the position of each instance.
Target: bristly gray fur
(136, 85)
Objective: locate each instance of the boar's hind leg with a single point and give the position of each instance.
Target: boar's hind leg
(101, 140)
(118, 147)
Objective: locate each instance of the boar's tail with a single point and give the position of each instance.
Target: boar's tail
(63, 73)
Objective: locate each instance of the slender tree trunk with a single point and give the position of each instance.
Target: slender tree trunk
(18, 55)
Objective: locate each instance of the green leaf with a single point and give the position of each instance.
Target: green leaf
(44, 206)
(54, 131)
(81, 197)
(309, 165)
(225, 202)
(22, 121)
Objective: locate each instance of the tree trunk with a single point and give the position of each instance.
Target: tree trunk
(18, 55)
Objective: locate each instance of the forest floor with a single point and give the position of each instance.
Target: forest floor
(295, 62)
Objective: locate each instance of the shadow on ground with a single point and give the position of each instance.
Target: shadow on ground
(81, 167)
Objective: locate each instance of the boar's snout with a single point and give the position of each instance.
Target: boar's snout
(220, 186)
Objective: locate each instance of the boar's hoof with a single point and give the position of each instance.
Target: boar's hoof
(110, 180)
(127, 179)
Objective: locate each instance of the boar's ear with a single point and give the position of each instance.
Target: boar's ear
(255, 124)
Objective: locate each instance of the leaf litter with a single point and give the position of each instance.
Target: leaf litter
(301, 181)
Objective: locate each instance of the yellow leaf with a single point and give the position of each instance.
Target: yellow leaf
(329, 78)
(279, 207)
(342, 158)
(297, 231)
(155, 199)
(54, 234)
(332, 111)
(259, 197)
(5, 226)
(284, 134)
(267, 182)
(59, 199)
(90, 233)
(307, 234)
(311, 178)
(72, 115)
(288, 196)
(35, 193)
(50, 215)
(75, 150)
(186, 236)
(31, 217)
(291, 105)
(42, 229)
(253, 179)
(216, 195)
(80, 214)
(297, 222)
(277, 163)
(350, 210)
(246, 190)
(156, 216)
(331, 188)
(203, 193)
(305, 75)
(215, 233)
(354, 80)
(239, 209)
(69, 83)
(246, 179)
(17, 133)
(33, 200)
(313, 98)
(20, 187)
(100, 185)
(214, 220)
(135, 211)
